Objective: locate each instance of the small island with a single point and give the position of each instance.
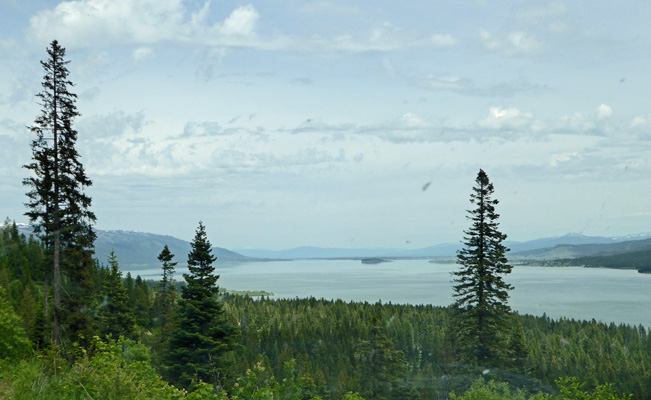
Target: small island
(374, 260)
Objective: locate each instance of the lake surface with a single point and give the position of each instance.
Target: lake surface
(608, 295)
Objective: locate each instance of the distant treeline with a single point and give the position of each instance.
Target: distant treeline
(639, 260)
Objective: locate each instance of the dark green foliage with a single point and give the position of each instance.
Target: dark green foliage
(482, 311)
(382, 367)
(166, 296)
(640, 260)
(115, 315)
(202, 334)
(324, 337)
(57, 204)
(141, 299)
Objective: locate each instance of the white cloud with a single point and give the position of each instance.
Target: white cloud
(446, 40)
(87, 22)
(452, 83)
(509, 119)
(143, 22)
(514, 43)
(577, 122)
(412, 120)
(604, 111)
(241, 22)
(638, 121)
(142, 54)
(557, 159)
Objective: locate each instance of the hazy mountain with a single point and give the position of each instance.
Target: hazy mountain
(139, 250)
(545, 248)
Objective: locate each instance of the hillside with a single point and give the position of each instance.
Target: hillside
(140, 250)
(639, 260)
(567, 251)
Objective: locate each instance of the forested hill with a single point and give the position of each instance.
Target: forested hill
(140, 250)
(569, 251)
(639, 260)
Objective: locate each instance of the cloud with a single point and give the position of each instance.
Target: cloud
(211, 59)
(142, 54)
(514, 43)
(241, 22)
(325, 6)
(509, 119)
(449, 83)
(446, 40)
(639, 121)
(385, 37)
(86, 23)
(111, 125)
(537, 14)
(577, 122)
(146, 23)
(604, 111)
(467, 86)
(557, 159)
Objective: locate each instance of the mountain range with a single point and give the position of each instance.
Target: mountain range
(139, 250)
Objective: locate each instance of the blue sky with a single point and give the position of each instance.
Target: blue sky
(290, 123)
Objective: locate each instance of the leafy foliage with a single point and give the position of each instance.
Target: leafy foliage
(13, 341)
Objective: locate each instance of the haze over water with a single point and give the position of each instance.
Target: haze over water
(607, 295)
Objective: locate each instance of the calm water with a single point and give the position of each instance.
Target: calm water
(620, 296)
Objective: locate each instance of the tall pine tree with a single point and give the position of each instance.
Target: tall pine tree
(202, 333)
(482, 310)
(57, 204)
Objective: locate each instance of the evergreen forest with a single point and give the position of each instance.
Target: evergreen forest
(295, 348)
(73, 327)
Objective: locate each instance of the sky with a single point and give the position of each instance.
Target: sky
(342, 124)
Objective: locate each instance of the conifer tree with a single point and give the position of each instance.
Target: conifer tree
(482, 310)
(202, 333)
(57, 204)
(167, 294)
(116, 317)
(142, 303)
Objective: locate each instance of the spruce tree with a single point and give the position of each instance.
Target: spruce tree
(57, 204)
(202, 334)
(482, 310)
(115, 315)
(167, 293)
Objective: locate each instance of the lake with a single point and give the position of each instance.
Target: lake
(608, 295)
